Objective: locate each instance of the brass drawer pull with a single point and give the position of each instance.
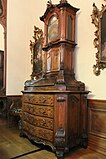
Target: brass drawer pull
(61, 99)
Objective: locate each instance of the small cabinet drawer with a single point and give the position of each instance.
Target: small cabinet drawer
(44, 134)
(38, 132)
(39, 99)
(38, 121)
(44, 111)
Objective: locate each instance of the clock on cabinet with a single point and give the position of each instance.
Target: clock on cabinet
(54, 110)
(53, 29)
(59, 42)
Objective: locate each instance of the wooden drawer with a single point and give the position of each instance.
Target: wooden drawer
(44, 111)
(38, 121)
(39, 99)
(38, 132)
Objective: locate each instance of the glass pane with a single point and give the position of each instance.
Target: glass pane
(53, 29)
(69, 28)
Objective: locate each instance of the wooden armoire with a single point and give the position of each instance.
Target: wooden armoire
(54, 110)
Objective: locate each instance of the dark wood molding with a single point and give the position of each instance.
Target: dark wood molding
(14, 96)
(96, 102)
(97, 125)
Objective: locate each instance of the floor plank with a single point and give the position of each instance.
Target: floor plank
(11, 145)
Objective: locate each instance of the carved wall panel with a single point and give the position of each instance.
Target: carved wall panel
(97, 125)
(36, 53)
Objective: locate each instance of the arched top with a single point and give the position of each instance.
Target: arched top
(52, 7)
(53, 19)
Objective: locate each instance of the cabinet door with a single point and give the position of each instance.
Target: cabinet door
(73, 116)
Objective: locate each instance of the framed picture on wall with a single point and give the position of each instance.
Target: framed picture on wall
(99, 20)
(36, 53)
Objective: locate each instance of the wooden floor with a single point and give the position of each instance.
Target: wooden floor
(13, 146)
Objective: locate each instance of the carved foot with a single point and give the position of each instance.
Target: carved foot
(60, 154)
(84, 140)
(60, 145)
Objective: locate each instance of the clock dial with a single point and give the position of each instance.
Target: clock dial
(53, 29)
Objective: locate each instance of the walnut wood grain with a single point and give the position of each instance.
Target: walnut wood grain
(97, 125)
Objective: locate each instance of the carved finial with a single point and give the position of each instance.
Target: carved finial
(49, 3)
(95, 9)
(94, 15)
(63, 1)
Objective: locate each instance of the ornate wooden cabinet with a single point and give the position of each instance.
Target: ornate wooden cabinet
(54, 110)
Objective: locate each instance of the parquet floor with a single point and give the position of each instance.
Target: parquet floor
(12, 145)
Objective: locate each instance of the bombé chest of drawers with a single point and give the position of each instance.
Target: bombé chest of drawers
(55, 118)
(38, 116)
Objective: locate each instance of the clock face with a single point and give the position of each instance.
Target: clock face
(53, 29)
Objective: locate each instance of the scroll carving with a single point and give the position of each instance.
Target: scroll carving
(60, 137)
(98, 19)
(60, 142)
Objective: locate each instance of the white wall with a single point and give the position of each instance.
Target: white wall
(1, 37)
(22, 16)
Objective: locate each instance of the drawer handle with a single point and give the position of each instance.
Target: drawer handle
(61, 99)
